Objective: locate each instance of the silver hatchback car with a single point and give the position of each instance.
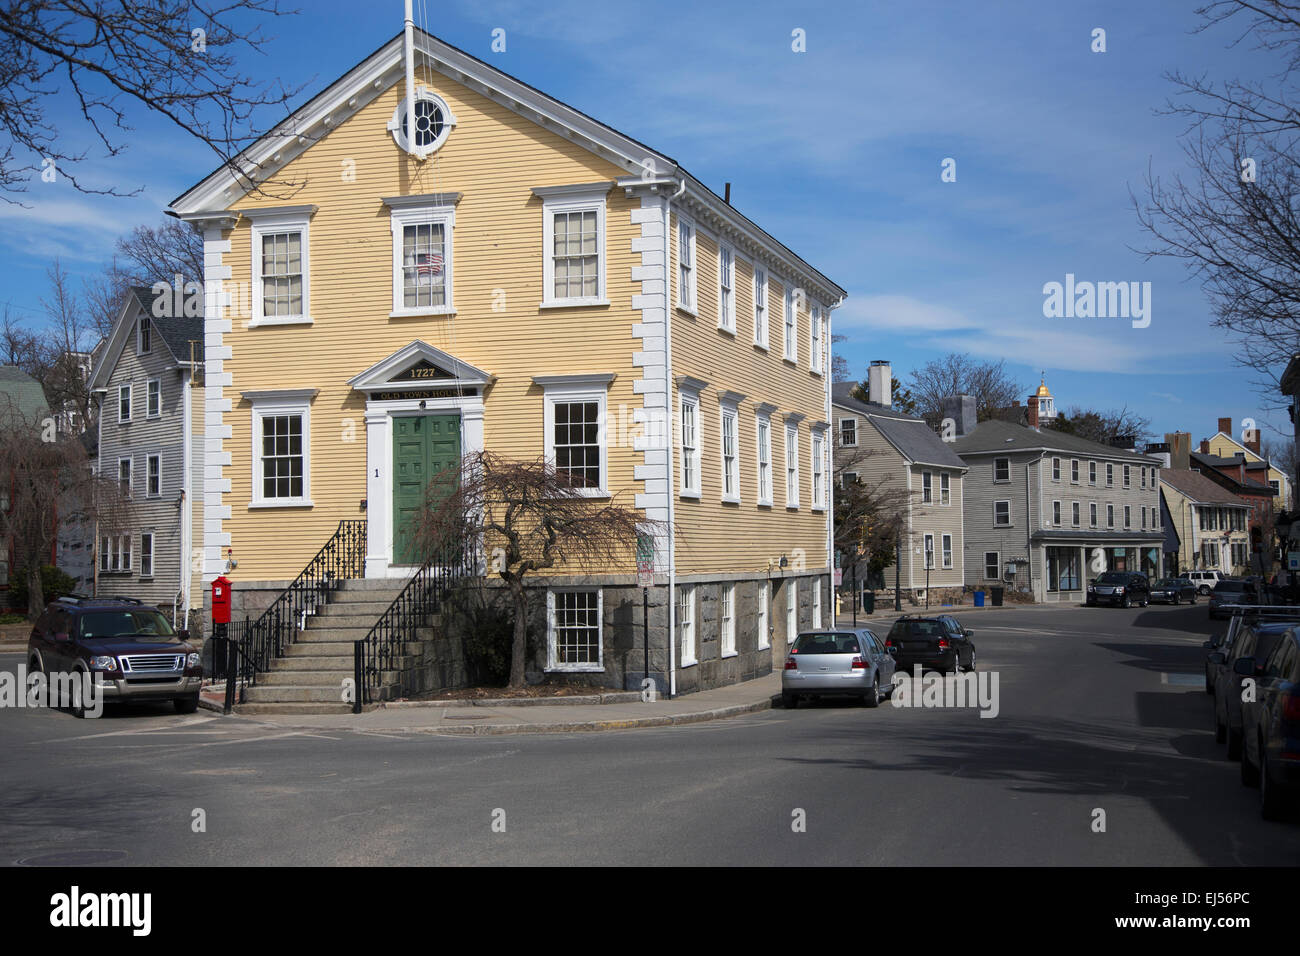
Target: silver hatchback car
(837, 663)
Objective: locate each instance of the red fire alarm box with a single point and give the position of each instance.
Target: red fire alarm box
(221, 600)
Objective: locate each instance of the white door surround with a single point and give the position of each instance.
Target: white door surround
(418, 379)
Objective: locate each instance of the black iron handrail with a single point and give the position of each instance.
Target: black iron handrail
(421, 597)
(265, 639)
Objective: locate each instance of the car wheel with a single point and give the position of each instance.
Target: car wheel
(1175, 600)
(970, 666)
(1272, 799)
(873, 695)
(789, 701)
(78, 699)
(186, 705)
(1249, 774)
(1127, 602)
(1234, 742)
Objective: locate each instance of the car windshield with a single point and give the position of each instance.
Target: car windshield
(1113, 577)
(96, 625)
(827, 644)
(1167, 583)
(917, 629)
(1231, 586)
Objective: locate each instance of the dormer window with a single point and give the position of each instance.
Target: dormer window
(433, 122)
(143, 339)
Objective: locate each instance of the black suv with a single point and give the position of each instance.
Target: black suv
(128, 648)
(1122, 588)
(936, 643)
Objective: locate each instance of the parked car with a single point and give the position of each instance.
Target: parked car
(128, 648)
(1270, 747)
(1231, 591)
(1120, 588)
(1204, 580)
(837, 663)
(1172, 591)
(1257, 641)
(936, 642)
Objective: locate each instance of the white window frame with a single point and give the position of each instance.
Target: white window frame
(552, 663)
(686, 249)
(726, 288)
(130, 402)
(148, 476)
(996, 522)
(1128, 517)
(817, 456)
(727, 620)
(399, 218)
(945, 489)
(114, 558)
(763, 458)
(729, 411)
(564, 393)
(686, 618)
(815, 339)
(927, 552)
(791, 610)
(1056, 469)
(1092, 472)
(927, 488)
(792, 465)
(844, 442)
(945, 542)
(1110, 516)
(1092, 514)
(790, 327)
(261, 227)
(1076, 514)
(1110, 474)
(760, 307)
(995, 471)
(149, 395)
(586, 201)
(130, 476)
(689, 457)
(268, 407)
(146, 555)
(1128, 478)
(1056, 514)
(764, 615)
(1074, 471)
(400, 127)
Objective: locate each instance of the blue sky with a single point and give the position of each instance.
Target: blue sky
(837, 152)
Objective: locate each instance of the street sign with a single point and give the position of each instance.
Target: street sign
(839, 576)
(645, 561)
(1293, 560)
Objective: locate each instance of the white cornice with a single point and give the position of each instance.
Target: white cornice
(574, 191)
(274, 212)
(281, 395)
(690, 383)
(423, 199)
(603, 379)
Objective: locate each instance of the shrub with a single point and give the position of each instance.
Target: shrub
(54, 583)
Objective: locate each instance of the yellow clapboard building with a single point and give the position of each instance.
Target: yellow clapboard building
(524, 279)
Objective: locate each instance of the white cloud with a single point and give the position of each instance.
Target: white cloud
(900, 313)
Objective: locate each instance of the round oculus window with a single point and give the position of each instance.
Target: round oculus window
(433, 121)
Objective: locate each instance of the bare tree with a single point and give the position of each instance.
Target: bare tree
(959, 374)
(46, 480)
(869, 512)
(70, 337)
(1232, 221)
(839, 364)
(172, 58)
(149, 254)
(530, 518)
(1104, 427)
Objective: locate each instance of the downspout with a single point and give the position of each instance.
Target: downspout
(668, 442)
(187, 480)
(828, 453)
(408, 61)
(1029, 525)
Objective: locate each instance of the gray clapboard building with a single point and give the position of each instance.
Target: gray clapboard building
(1045, 511)
(151, 443)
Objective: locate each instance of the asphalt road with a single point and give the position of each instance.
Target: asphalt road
(1100, 709)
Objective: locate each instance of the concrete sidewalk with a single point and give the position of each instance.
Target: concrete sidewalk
(467, 718)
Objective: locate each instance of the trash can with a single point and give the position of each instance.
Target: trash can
(979, 598)
(997, 596)
(869, 602)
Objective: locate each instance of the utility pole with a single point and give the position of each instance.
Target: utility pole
(898, 572)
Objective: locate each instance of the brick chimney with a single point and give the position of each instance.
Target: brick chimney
(1033, 412)
(1225, 426)
(1180, 448)
(1252, 441)
(1205, 446)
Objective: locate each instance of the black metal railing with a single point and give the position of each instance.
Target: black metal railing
(265, 639)
(382, 649)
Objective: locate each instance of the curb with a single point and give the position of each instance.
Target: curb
(586, 726)
(619, 697)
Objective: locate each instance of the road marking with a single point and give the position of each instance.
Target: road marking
(1182, 680)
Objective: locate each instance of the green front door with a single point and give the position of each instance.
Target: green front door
(423, 445)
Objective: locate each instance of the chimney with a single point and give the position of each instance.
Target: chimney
(1032, 417)
(1160, 450)
(1225, 426)
(1205, 446)
(880, 383)
(961, 409)
(1180, 449)
(1252, 441)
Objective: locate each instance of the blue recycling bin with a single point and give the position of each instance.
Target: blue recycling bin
(979, 598)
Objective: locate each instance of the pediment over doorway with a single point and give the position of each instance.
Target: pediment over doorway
(420, 366)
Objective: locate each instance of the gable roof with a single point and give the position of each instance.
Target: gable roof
(174, 333)
(1211, 464)
(995, 435)
(21, 394)
(377, 73)
(911, 436)
(1198, 488)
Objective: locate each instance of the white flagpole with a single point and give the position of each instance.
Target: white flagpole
(409, 57)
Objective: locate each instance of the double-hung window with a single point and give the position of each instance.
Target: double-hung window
(763, 430)
(689, 439)
(573, 220)
(992, 565)
(1127, 480)
(575, 429)
(1056, 513)
(1092, 472)
(281, 266)
(153, 398)
(947, 551)
(1074, 470)
(1001, 469)
(685, 264)
(818, 442)
(945, 489)
(760, 307)
(792, 464)
(281, 448)
(1092, 514)
(1056, 469)
(727, 619)
(686, 623)
(729, 431)
(143, 336)
(849, 432)
(927, 489)
(124, 476)
(574, 630)
(726, 288)
(791, 335)
(153, 476)
(929, 551)
(815, 323)
(422, 254)
(1001, 514)
(1074, 514)
(1110, 516)
(124, 402)
(1110, 474)
(146, 555)
(115, 554)
(1128, 517)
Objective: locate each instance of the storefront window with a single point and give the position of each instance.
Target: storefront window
(1063, 569)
